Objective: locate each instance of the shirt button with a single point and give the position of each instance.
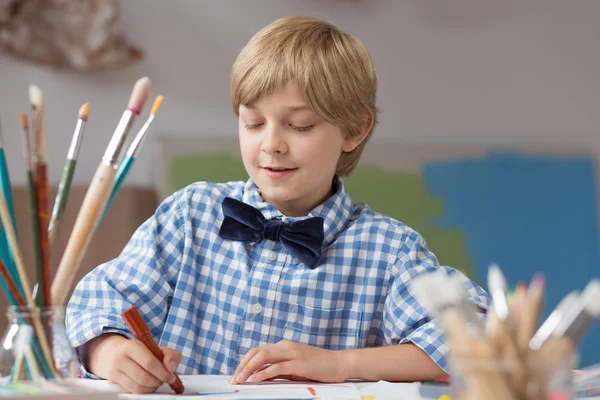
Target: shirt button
(248, 246)
(256, 308)
(271, 256)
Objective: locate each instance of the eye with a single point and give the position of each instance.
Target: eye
(252, 126)
(302, 128)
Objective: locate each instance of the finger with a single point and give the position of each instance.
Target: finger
(172, 359)
(287, 377)
(144, 357)
(138, 374)
(251, 353)
(129, 385)
(285, 368)
(267, 355)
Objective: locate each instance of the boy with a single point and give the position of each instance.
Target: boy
(282, 275)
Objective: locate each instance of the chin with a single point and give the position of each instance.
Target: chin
(280, 195)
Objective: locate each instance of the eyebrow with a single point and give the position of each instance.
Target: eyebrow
(298, 108)
(290, 108)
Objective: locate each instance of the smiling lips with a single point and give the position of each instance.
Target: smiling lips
(278, 172)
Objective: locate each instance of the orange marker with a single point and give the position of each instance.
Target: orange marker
(140, 330)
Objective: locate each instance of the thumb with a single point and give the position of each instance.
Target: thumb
(172, 359)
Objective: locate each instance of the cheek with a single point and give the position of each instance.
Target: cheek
(247, 145)
(328, 153)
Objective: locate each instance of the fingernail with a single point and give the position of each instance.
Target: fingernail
(172, 379)
(173, 365)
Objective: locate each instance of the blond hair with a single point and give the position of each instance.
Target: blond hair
(332, 68)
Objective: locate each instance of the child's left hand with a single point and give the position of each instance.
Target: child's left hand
(291, 360)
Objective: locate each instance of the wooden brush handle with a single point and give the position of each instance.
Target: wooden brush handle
(89, 215)
(41, 192)
(61, 198)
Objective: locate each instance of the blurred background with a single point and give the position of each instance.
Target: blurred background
(487, 144)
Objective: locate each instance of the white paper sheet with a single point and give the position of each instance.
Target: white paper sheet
(383, 390)
(206, 387)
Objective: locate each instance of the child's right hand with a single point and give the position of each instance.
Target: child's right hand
(130, 365)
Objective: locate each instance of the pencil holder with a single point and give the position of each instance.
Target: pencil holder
(35, 346)
(485, 379)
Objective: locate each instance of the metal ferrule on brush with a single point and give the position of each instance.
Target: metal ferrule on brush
(575, 323)
(112, 155)
(551, 323)
(137, 141)
(76, 141)
(545, 331)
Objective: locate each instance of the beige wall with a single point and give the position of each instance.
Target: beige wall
(459, 71)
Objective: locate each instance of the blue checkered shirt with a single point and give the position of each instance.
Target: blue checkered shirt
(213, 299)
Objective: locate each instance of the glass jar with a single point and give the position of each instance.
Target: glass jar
(36, 345)
(498, 379)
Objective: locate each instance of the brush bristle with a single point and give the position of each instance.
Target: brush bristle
(157, 102)
(84, 112)
(139, 95)
(591, 298)
(497, 290)
(495, 276)
(24, 121)
(437, 291)
(36, 96)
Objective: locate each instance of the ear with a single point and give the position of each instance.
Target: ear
(350, 143)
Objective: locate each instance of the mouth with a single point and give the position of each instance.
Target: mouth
(277, 173)
(278, 169)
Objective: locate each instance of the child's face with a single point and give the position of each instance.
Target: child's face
(289, 151)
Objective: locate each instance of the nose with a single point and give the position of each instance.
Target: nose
(273, 142)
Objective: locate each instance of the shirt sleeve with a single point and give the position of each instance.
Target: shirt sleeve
(405, 319)
(142, 275)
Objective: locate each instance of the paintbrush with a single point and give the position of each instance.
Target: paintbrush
(10, 288)
(32, 202)
(530, 312)
(545, 330)
(36, 97)
(15, 299)
(582, 314)
(499, 326)
(5, 252)
(516, 303)
(472, 354)
(68, 171)
(24, 281)
(97, 196)
(5, 183)
(22, 348)
(132, 153)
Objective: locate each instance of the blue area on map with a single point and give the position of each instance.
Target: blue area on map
(528, 213)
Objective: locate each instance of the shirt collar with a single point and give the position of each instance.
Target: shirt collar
(335, 211)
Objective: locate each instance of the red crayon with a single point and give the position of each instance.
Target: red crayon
(140, 330)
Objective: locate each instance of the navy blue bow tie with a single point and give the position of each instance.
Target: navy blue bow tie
(303, 239)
